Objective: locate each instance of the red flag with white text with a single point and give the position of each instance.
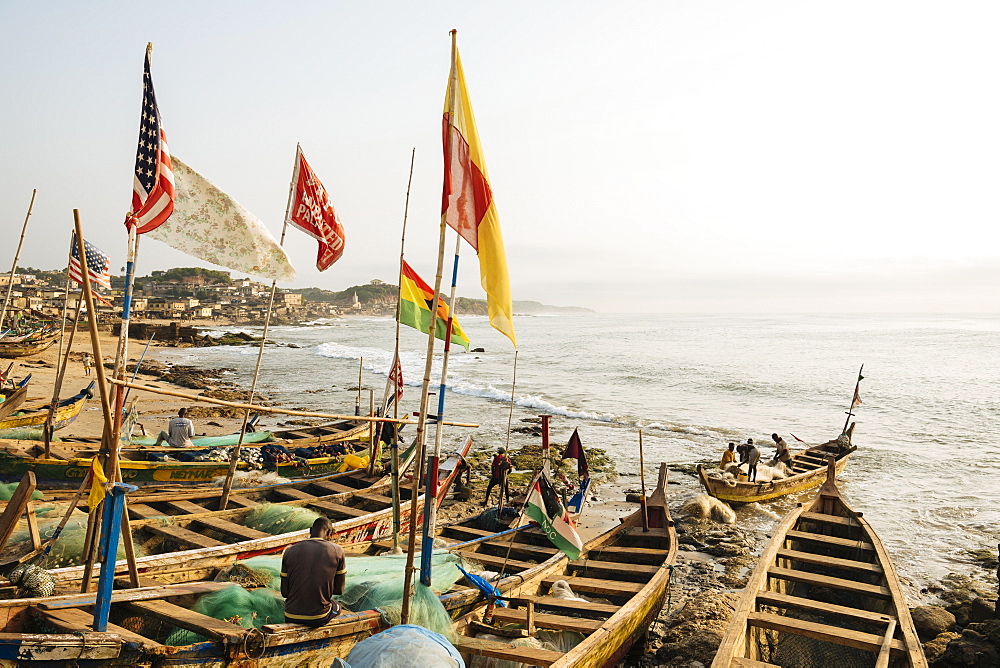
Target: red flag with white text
(312, 212)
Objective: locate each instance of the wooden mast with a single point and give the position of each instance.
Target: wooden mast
(17, 256)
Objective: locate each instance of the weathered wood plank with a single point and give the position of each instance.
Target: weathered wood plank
(613, 569)
(740, 662)
(77, 621)
(330, 487)
(822, 559)
(605, 609)
(780, 600)
(831, 634)
(140, 511)
(231, 528)
(337, 508)
(829, 519)
(187, 619)
(830, 582)
(507, 651)
(508, 565)
(147, 593)
(595, 586)
(632, 555)
(63, 648)
(185, 507)
(547, 621)
(831, 540)
(184, 537)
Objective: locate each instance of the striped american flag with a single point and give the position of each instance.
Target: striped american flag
(153, 188)
(98, 264)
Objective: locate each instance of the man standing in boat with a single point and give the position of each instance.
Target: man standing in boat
(753, 456)
(179, 431)
(313, 571)
(781, 453)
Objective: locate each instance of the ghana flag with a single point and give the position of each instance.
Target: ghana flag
(415, 300)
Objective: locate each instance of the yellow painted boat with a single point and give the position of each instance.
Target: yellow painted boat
(66, 411)
(808, 470)
(824, 593)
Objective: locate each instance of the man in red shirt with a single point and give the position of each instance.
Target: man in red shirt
(313, 571)
(498, 475)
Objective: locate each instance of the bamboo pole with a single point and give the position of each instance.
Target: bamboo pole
(850, 408)
(63, 362)
(17, 256)
(425, 388)
(642, 482)
(357, 400)
(234, 454)
(272, 409)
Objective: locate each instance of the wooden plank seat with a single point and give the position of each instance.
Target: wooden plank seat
(495, 562)
(56, 452)
(238, 501)
(74, 620)
(829, 582)
(613, 569)
(779, 600)
(379, 500)
(231, 528)
(185, 507)
(536, 552)
(830, 540)
(829, 519)
(596, 586)
(507, 651)
(337, 508)
(547, 621)
(140, 511)
(580, 607)
(292, 494)
(740, 662)
(190, 620)
(825, 632)
(331, 487)
(823, 560)
(632, 555)
(147, 592)
(184, 537)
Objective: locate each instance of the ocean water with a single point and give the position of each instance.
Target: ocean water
(928, 430)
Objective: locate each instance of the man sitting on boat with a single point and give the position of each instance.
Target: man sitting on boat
(179, 431)
(728, 456)
(313, 571)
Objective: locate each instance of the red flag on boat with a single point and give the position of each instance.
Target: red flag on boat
(396, 378)
(312, 212)
(574, 449)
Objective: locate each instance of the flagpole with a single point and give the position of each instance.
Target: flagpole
(63, 361)
(850, 408)
(430, 516)
(17, 256)
(642, 482)
(425, 387)
(234, 454)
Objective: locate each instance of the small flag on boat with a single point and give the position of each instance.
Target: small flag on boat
(97, 482)
(153, 185)
(543, 506)
(396, 379)
(574, 449)
(415, 301)
(467, 199)
(312, 212)
(857, 395)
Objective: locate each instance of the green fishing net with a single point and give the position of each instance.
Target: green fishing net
(68, 549)
(7, 490)
(373, 583)
(25, 434)
(250, 608)
(276, 519)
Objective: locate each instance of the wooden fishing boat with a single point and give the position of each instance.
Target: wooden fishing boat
(184, 539)
(143, 618)
(69, 459)
(807, 470)
(25, 346)
(66, 411)
(824, 593)
(628, 568)
(13, 398)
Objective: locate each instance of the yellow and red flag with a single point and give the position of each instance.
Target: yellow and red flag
(467, 201)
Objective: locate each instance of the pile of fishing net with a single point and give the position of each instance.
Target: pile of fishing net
(558, 641)
(277, 519)
(255, 478)
(373, 583)
(7, 490)
(405, 646)
(24, 434)
(68, 548)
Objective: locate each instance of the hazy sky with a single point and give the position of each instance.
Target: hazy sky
(644, 156)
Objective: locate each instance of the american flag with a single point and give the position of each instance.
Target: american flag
(153, 189)
(98, 264)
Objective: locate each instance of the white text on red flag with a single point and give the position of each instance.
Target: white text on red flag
(312, 212)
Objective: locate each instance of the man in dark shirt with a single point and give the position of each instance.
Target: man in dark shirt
(499, 468)
(312, 572)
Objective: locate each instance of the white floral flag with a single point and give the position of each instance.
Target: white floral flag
(212, 226)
